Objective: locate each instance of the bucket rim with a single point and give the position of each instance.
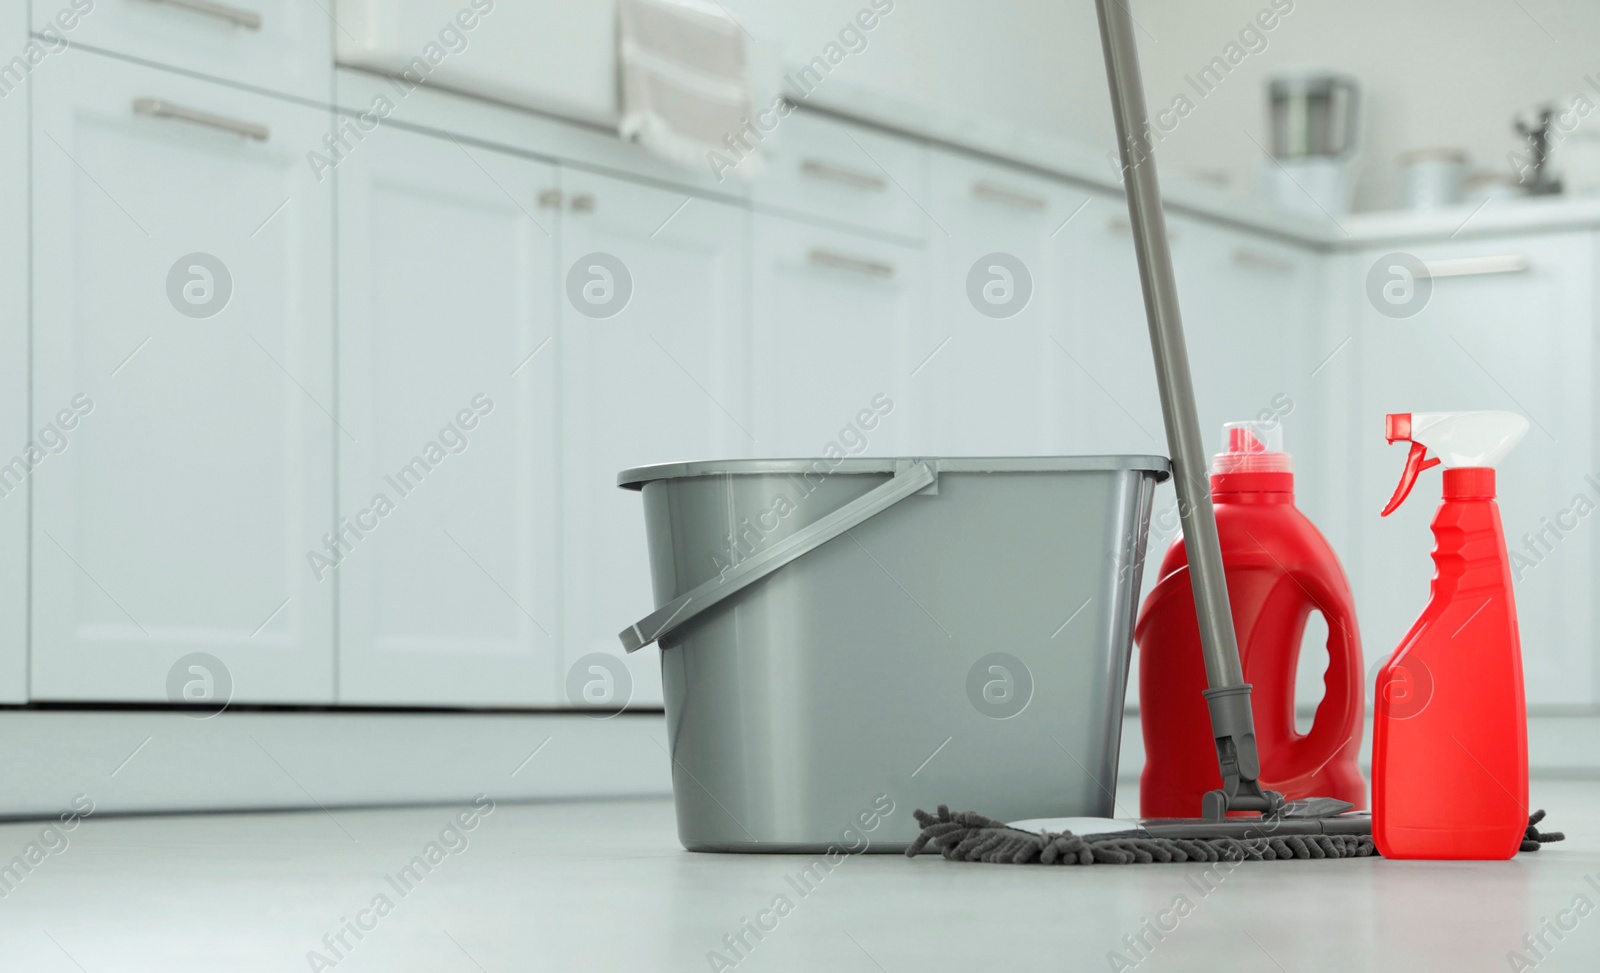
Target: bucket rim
(637, 477)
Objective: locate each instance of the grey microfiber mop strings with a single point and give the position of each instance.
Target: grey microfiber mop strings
(967, 836)
(1534, 837)
(970, 837)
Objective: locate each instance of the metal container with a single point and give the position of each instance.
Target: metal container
(1314, 114)
(1314, 121)
(844, 641)
(1433, 178)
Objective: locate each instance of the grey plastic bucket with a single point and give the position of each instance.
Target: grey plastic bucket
(843, 641)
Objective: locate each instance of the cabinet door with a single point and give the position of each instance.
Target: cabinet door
(14, 420)
(1520, 341)
(840, 319)
(1104, 364)
(1108, 367)
(1251, 325)
(183, 343)
(1246, 314)
(654, 368)
(447, 387)
(1256, 353)
(1001, 381)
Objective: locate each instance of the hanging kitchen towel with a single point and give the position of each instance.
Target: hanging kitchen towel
(685, 90)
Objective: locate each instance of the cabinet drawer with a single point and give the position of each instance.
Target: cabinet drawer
(278, 45)
(183, 309)
(841, 324)
(836, 171)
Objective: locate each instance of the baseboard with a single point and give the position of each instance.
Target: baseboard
(1560, 745)
(134, 761)
(162, 761)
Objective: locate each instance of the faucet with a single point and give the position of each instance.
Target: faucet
(1532, 172)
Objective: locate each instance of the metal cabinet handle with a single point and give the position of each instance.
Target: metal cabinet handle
(238, 16)
(583, 203)
(550, 199)
(850, 177)
(1510, 263)
(1245, 257)
(1013, 197)
(156, 108)
(842, 261)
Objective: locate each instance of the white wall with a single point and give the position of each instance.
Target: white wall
(1437, 73)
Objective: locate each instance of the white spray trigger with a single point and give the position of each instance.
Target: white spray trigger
(1458, 440)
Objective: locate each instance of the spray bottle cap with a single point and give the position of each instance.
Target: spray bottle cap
(1252, 447)
(1460, 439)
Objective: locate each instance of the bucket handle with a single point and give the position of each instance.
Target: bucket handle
(675, 613)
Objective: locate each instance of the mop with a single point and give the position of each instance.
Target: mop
(969, 837)
(1313, 828)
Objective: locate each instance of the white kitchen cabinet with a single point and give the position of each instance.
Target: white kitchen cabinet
(826, 169)
(182, 284)
(615, 323)
(841, 322)
(1246, 302)
(1251, 320)
(1248, 309)
(1001, 382)
(284, 46)
(1247, 318)
(448, 478)
(655, 367)
(1521, 341)
(1104, 364)
(1106, 360)
(14, 419)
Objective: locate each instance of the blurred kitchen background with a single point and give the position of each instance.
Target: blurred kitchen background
(263, 262)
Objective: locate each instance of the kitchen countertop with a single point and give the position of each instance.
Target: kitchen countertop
(1078, 162)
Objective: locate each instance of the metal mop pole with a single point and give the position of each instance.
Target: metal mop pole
(1228, 697)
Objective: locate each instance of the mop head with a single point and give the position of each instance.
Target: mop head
(966, 836)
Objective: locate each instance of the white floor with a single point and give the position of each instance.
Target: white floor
(605, 886)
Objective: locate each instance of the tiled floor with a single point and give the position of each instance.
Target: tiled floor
(605, 886)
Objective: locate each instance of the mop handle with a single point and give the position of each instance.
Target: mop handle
(1228, 697)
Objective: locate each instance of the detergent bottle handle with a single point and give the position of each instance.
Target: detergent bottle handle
(1416, 461)
(1342, 701)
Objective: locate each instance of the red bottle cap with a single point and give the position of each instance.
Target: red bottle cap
(1253, 462)
(1469, 483)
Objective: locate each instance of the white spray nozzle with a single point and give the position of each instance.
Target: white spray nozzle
(1461, 439)
(1457, 440)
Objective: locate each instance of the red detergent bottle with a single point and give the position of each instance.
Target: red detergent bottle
(1450, 731)
(1279, 569)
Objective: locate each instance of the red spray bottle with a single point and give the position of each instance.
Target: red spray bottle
(1280, 569)
(1450, 733)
